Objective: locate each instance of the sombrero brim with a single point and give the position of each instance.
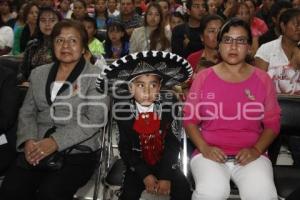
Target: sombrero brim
(172, 68)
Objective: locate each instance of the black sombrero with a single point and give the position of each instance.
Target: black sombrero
(172, 68)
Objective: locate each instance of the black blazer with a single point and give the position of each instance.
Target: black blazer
(8, 100)
(129, 144)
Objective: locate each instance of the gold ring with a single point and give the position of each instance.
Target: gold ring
(42, 153)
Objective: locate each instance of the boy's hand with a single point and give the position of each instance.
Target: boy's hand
(163, 187)
(150, 183)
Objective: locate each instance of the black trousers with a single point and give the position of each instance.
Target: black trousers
(7, 157)
(133, 186)
(27, 184)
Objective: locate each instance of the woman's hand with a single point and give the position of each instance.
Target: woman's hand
(42, 149)
(163, 187)
(25, 84)
(28, 148)
(150, 183)
(186, 41)
(247, 155)
(213, 153)
(295, 60)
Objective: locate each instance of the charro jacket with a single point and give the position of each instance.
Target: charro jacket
(129, 143)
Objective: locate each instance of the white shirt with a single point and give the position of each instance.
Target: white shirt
(273, 53)
(6, 37)
(286, 80)
(114, 14)
(56, 86)
(143, 109)
(285, 77)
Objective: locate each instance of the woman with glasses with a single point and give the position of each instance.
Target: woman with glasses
(61, 115)
(232, 116)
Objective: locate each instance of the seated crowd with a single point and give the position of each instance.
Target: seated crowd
(229, 54)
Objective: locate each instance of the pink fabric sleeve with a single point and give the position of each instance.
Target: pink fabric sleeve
(272, 109)
(193, 98)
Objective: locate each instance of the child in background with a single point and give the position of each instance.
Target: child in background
(176, 19)
(64, 8)
(79, 10)
(116, 43)
(95, 46)
(101, 15)
(96, 49)
(112, 8)
(149, 142)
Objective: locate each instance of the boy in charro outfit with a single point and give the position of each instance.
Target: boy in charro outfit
(149, 142)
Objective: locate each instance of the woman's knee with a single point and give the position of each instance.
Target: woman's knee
(260, 190)
(211, 191)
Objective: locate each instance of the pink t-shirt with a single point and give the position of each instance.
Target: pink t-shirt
(231, 116)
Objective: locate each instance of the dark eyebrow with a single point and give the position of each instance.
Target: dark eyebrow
(138, 82)
(156, 81)
(241, 36)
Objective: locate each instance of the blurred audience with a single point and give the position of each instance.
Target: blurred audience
(38, 51)
(153, 35)
(116, 44)
(31, 11)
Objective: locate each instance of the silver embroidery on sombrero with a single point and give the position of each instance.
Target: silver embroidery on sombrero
(172, 68)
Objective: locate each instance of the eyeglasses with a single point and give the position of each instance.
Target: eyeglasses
(72, 41)
(239, 40)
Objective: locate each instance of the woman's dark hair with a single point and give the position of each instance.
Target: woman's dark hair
(82, 2)
(68, 23)
(278, 6)
(206, 19)
(27, 10)
(288, 15)
(38, 34)
(178, 14)
(189, 4)
(90, 20)
(158, 35)
(114, 26)
(235, 22)
(253, 2)
(9, 3)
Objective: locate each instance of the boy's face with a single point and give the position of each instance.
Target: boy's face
(197, 10)
(145, 89)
